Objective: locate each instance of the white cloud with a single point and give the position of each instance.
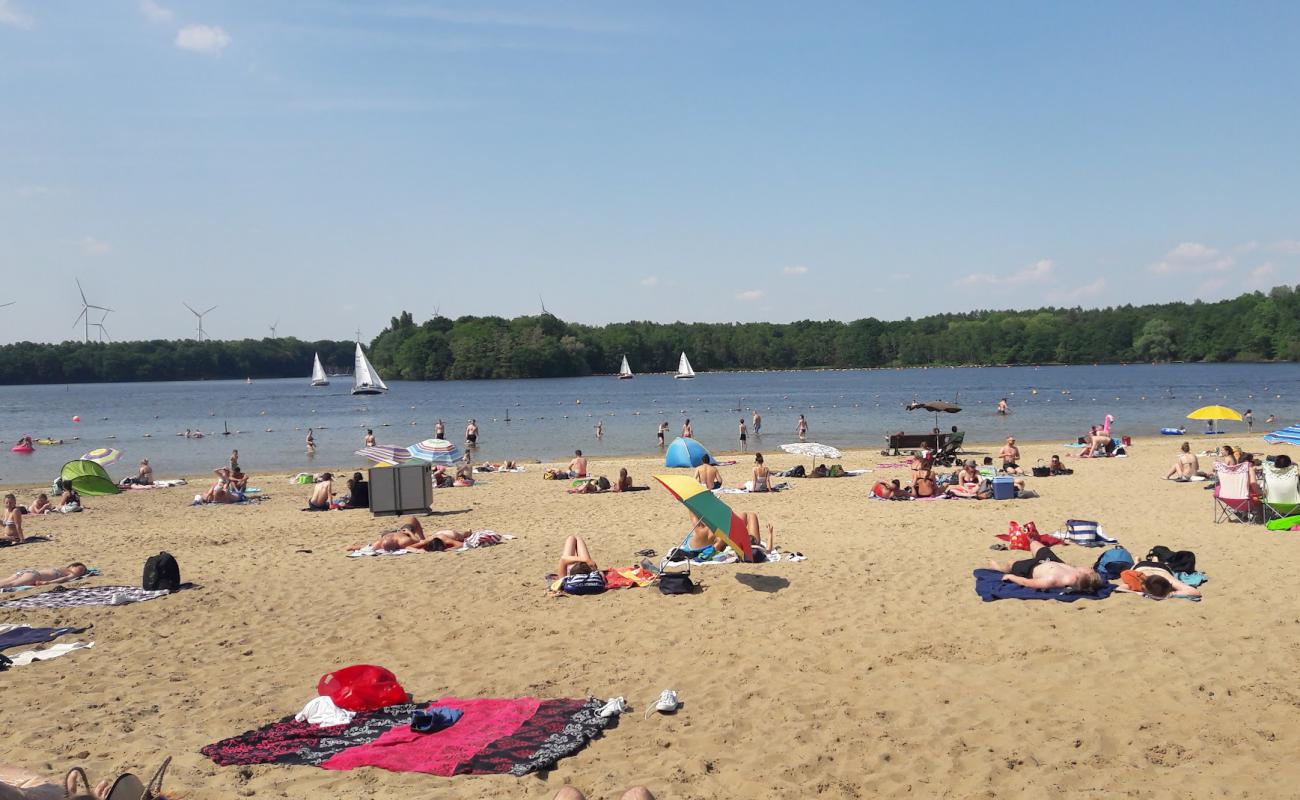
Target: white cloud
(750, 296)
(155, 12)
(650, 280)
(94, 247)
(1192, 257)
(797, 270)
(1088, 290)
(1036, 272)
(210, 39)
(13, 16)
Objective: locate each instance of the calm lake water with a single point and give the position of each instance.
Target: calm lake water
(269, 419)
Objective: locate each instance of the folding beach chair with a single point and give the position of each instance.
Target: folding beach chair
(1281, 492)
(1233, 499)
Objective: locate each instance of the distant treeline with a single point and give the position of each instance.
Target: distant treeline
(1252, 327)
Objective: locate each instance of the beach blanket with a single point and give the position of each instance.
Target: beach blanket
(155, 485)
(776, 487)
(990, 586)
(19, 635)
(629, 577)
(484, 538)
(488, 471)
(514, 736)
(26, 540)
(63, 597)
(54, 651)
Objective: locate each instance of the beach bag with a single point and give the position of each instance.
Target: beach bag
(836, 471)
(1174, 560)
(361, 687)
(1113, 562)
(583, 583)
(602, 483)
(797, 471)
(819, 471)
(676, 582)
(1041, 470)
(161, 572)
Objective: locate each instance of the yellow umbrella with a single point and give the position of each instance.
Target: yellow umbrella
(1215, 412)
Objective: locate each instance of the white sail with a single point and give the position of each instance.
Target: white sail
(625, 371)
(684, 368)
(318, 377)
(364, 378)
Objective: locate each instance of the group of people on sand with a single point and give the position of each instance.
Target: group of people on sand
(1045, 570)
(412, 538)
(322, 496)
(760, 477)
(11, 515)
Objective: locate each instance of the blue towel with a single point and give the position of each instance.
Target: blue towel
(990, 586)
(1192, 578)
(435, 718)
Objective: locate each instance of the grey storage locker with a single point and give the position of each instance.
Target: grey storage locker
(407, 489)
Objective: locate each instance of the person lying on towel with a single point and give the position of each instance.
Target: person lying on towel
(43, 576)
(412, 537)
(1154, 580)
(1045, 570)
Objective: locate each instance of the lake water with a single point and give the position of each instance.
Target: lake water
(269, 419)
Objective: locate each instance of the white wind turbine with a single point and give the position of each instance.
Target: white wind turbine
(103, 332)
(201, 334)
(85, 311)
(275, 325)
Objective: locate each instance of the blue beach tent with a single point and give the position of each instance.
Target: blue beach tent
(1289, 435)
(685, 452)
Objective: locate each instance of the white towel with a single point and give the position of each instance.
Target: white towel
(370, 551)
(53, 651)
(322, 713)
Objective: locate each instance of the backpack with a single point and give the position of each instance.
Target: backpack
(836, 471)
(583, 583)
(797, 471)
(1174, 560)
(161, 572)
(1112, 562)
(602, 483)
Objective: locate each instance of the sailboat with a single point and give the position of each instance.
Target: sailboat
(364, 378)
(318, 373)
(684, 369)
(625, 371)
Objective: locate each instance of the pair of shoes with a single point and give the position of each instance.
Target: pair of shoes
(796, 556)
(613, 708)
(999, 546)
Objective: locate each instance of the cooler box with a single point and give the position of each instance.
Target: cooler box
(1004, 488)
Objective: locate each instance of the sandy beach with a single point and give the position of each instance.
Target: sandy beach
(870, 669)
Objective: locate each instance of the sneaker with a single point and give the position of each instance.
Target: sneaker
(613, 708)
(667, 702)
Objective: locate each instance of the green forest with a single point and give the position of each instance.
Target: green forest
(1252, 327)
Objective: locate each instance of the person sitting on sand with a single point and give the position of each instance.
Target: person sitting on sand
(1186, 467)
(11, 521)
(464, 476)
(69, 500)
(322, 493)
(923, 484)
(42, 505)
(144, 477)
(1227, 457)
(1010, 455)
(1045, 570)
(1154, 580)
(1055, 467)
(575, 559)
(223, 490)
(704, 543)
(762, 476)
(577, 465)
(706, 474)
(358, 492)
(624, 481)
(43, 576)
(967, 483)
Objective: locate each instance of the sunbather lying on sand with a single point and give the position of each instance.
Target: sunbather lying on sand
(1154, 580)
(17, 783)
(43, 576)
(412, 537)
(1044, 570)
(575, 559)
(635, 793)
(892, 490)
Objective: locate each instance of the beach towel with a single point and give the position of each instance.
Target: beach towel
(155, 485)
(990, 586)
(19, 635)
(370, 551)
(26, 540)
(484, 538)
(629, 577)
(776, 487)
(62, 597)
(515, 736)
(53, 651)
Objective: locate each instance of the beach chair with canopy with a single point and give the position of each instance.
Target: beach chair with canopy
(88, 478)
(1234, 500)
(1281, 492)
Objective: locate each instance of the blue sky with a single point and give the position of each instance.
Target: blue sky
(327, 164)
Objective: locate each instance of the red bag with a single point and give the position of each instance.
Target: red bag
(362, 687)
(1018, 539)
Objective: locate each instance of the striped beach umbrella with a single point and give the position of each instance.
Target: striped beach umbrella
(1289, 435)
(385, 454)
(435, 451)
(103, 456)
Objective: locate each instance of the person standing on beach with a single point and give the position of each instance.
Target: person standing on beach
(439, 430)
(758, 422)
(471, 434)
(1249, 417)
(234, 461)
(687, 431)
(311, 443)
(802, 428)
(742, 433)
(370, 438)
(663, 431)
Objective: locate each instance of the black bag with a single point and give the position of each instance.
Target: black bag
(1042, 472)
(1173, 560)
(676, 582)
(797, 471)
(161, 572)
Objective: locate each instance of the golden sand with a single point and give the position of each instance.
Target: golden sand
(871, 669)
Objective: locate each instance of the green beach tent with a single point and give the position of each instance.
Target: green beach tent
(88, 478)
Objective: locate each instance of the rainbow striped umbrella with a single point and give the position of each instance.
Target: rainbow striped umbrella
(725, 523)
(435, 451)
(385, 454)
(103, 456)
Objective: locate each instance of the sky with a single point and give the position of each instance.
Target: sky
(322, 166)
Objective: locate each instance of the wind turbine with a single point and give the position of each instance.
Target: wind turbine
(201, 334)
(103, 332)
(85, 310)
(275, 325)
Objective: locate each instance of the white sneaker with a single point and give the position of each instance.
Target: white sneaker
(667, 702)
(613, 708)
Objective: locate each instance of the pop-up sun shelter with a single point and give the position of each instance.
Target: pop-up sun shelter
(685, 452)
(88, 478)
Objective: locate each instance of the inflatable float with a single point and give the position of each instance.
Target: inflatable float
(22, 448)
(1173, 431)
(1283, 524)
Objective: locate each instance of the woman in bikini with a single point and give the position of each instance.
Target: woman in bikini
(575, 559)
(11, 520)
(41, 506)
(411, 537)
(762, 476)
(704, 543)
(43, 576)
(220, 491)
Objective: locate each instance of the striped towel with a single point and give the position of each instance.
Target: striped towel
(1084, 533)
(483, 539)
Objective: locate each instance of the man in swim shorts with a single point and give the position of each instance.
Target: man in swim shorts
(1045, 570)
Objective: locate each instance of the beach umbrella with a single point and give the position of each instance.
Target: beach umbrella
(937, 407)
(103, 456)
(684, 452)
(1289, 435)
(813, 450)
(386, 454)
(435, 451)
(1212, 413)
(701, 502)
